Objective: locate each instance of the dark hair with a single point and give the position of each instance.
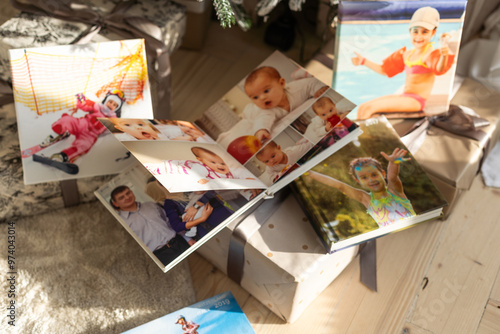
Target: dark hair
(363, 162)
(115, 192)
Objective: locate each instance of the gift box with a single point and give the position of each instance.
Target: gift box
(279, 260)
(31, 30)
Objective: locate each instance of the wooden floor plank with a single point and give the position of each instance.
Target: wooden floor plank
(465, 267)
(490, 323)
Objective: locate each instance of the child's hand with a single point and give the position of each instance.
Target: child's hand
(328, 126)
(320, 91)
(191, 242)
(203, 181)
(397, 156)
(263, 135)
(358, 59)
(445, 50)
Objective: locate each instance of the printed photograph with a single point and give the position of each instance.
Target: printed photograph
(278, 156)
(130, 129)
(220, 314)
(261, 106)
(165, 224)
(187, 166)
(371, 183)
(60, 92)
(397, 58)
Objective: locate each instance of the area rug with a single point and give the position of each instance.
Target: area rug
(77, 270)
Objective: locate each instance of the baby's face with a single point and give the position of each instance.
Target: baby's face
(326, 111)
(111, 105)
(266, 92)
(195, 133)
(370, 178)
(124, 199)
(272, 156)
(137, 128)
(214, 162)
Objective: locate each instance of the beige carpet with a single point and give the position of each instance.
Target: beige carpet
(78, 271)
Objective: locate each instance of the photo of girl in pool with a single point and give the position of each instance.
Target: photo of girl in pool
(405, 68)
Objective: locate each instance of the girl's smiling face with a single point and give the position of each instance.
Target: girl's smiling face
(370, 178)
(137, 128)
(420, 36)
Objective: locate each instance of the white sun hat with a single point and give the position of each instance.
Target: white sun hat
(426, 17)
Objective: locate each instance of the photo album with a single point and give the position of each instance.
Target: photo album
(219, 314)
(369, 188)
(397, 58)
(61, 91)
(199, 177)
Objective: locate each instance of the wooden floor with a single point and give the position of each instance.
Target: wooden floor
(437, 277)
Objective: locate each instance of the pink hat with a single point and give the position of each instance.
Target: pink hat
(426, 17)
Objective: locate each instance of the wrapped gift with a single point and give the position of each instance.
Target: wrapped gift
(275, 254)
(31, 30)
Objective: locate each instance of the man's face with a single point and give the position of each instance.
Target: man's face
(124, 200)
(214, 162)
(266, 92)
(137, 128)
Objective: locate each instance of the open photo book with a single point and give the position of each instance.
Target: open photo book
(60, 91)
(371, 187)
(189, 184)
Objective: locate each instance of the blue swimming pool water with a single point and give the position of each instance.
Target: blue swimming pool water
(375, 42)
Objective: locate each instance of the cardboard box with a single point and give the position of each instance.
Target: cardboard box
(285, 265)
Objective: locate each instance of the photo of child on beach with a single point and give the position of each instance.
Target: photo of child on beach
(371, 183)
(419, 38)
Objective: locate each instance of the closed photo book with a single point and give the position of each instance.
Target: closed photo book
(371, 187)
(193, 179)
(397, 58)
(219, 314)
(59, 93)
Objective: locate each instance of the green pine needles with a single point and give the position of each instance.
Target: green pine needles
(224, 13)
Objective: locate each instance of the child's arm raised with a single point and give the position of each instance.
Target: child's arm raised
(359, 60)
(351, 192)
(393, 181)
